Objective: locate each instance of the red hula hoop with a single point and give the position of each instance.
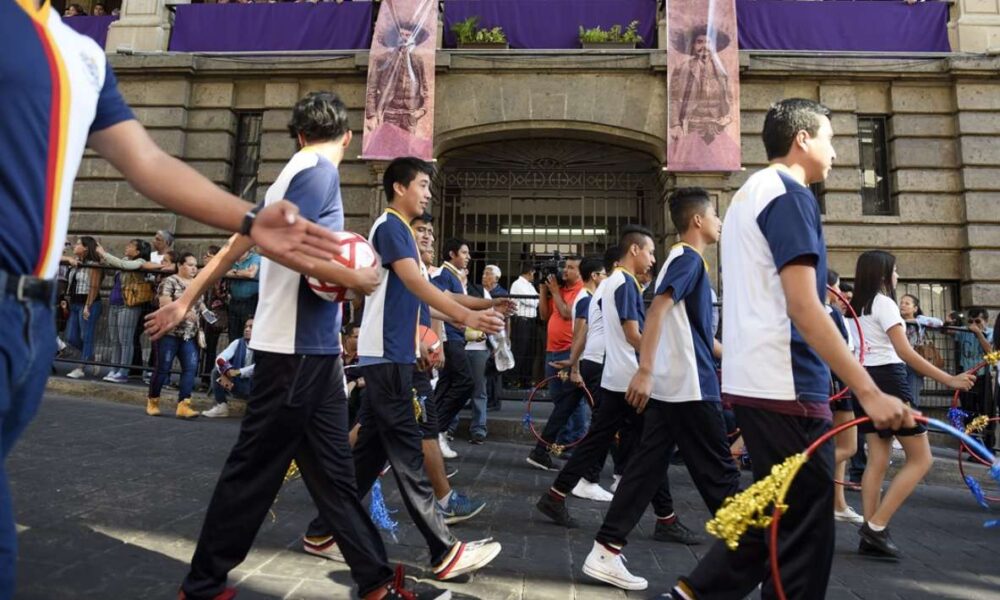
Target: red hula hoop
(531, 422)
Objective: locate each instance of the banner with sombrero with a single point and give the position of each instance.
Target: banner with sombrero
(399, 99)
(703, 87)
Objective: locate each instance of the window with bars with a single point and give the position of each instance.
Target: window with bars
(246, 155)
(876, 195)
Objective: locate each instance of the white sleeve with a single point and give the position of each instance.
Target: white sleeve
(886, 313)
(227, 354)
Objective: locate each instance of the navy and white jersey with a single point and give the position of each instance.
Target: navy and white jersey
(772, 221)
(684, 369)
(58, 89)
(425, 309)
(448, 281)
(593, 350)
(389, 324)
(621, 301)
(581, 304)
(290, 317)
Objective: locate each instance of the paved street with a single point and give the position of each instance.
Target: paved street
(110, 501)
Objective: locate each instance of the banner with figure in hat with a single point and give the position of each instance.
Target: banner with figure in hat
(399, 100)
(703, 87)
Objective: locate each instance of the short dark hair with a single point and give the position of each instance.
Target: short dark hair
(404, 170)
(846, 288)
(426, 218)
(213, 249)
(319, 117)
(832, 277)
(144, 248)
(785, 119)
(575, 257)
(633, 234)
(978, 311)
(527, 267)
(611, 256)
(453, 246)
(589, 266)
(685, 203)
(184, 256)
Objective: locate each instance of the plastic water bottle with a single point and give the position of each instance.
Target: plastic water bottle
(503, 357)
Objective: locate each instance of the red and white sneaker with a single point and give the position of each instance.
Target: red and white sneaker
(226, 594)
(397, 590)
(324, 547)
(466, 557)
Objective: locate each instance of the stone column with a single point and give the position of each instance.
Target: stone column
(144, 26)
(975, 26)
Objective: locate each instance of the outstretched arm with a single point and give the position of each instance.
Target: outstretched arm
(408, 271)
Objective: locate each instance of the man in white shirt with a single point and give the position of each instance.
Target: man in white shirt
(524, 325)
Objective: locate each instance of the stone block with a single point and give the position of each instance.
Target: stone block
(213, 94)
(155, 92)
(277, 146)
(873, 98)
(358, 223)
(914, 125)
(269, 170)
(126, 197)
(94, 194)
(838, 97)
(923, 152)
(752, 121)
(875, 234)
(842, 207)
(845, 179)
(170, 140)
(160, 117)
(276, 119)
(972, 122)
(926, 180)
(249, 94)
(979, 178)
(209, 145)
(848, 152)
(752, 150)
(355, 173)
(212, 119)
(980, 149)
(844, 125)
(759, 95)
(97, 168)
(922, 98)
(984, 236)
(795, 88)
(216, 171)
(190, 227)
(940, 264)
(357, 202)
(351, 91)
(281, 94)
(930, 208)
(977, 96)
(982, 207)
(985, 293)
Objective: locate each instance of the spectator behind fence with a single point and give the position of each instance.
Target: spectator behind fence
(972, 345)
(491, 282)
(163, 242)
(180, 342)
(556, 299)
(99, 10)
(232, 374)
(217, 301)
(916, 332)
(524, 326)
(478, 351)
(243, 288)
(129, 294)
(84, 301)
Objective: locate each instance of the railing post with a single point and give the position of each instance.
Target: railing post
(144, 26)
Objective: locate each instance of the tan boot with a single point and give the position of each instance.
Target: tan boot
(184, 410)
(153, 407)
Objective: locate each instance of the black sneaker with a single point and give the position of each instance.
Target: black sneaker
(877, 544)
(541, 459)
(555, 510)
(397, 590)
(675, 532)
(477, 439)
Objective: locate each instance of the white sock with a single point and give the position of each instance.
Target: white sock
(443, 502)
(875, 528)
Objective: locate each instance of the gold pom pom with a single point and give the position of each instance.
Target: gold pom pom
(292, 472)
(750, 507)
(978, 424)
(992, 358)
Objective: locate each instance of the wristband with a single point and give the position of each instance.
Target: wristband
(249, 219)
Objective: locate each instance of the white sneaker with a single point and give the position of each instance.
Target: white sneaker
(614, 484)
(848, 515)
(76, 373)
(589, 490)
(610, 568)
(466, 557)
(217, 411)
(325, 548)
(111, 376)
(446, 450)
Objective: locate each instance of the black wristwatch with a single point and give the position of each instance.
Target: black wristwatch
(249, 218)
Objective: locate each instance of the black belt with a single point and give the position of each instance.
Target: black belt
(26, 287)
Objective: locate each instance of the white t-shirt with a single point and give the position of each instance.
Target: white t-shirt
(621, 301)
(593, 350)
(156, 257)
(527, 309)
(878, 347)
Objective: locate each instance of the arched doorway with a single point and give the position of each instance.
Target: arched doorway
(526, 199)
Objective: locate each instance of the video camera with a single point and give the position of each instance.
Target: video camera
(552, 266)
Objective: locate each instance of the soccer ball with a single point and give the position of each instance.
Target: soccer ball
(355, 253)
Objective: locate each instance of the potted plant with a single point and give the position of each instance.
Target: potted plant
(470, 35)
(611, 38)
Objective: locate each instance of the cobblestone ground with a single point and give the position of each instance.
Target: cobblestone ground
(110, 501)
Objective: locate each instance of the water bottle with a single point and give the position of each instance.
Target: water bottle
(503, 357)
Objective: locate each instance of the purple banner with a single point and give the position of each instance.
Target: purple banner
(845, 26)
(271, 27)
(551, 24)
(96, 28)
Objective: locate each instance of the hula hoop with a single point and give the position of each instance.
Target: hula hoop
(531, 422)
(962, 448)
(776, 515)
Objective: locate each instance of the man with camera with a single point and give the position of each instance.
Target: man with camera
(560, 285)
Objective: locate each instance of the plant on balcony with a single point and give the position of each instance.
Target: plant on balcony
(469, 34)
(611, 38)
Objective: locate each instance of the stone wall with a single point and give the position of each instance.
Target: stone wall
(943, 136)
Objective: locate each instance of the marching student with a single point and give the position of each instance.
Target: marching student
(887, 353)
(623, 313)
(777, 342)
(677, 370)
(388, 350)
(298, 400)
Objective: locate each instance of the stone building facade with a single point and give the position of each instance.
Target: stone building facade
(512, 129)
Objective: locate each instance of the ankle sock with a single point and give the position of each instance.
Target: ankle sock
(876, 528)
(667, 520)
(443, 502)
(557, 495)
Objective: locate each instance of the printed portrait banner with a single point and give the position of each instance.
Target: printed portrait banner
(399, 100)
(703, 86)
